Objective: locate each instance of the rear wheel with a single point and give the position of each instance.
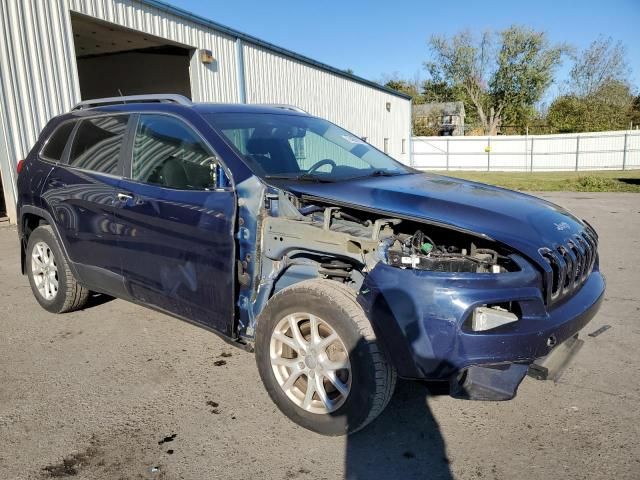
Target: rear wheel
(51, 280)
(319, 360)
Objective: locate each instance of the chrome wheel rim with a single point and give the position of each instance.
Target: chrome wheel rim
(44, 270)
(310, 363)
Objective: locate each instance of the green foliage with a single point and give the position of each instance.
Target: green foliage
(428, 126)
(610, 107)
(502, 76)
(405, 86)
(634, 116)
(596, 181)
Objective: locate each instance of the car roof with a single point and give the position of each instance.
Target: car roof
(246, 108)
(202, 108)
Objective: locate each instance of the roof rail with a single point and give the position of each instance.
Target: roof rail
(284, 106)
(159, 98)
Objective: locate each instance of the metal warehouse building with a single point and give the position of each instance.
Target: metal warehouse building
(55, 53)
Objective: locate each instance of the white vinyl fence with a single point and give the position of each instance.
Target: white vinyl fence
(582, 151)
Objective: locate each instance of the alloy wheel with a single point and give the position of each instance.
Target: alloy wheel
(44, 270)
(310, 363)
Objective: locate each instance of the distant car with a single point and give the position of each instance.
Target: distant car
(285, 233)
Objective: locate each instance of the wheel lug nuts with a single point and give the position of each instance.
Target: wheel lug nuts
(301, 364)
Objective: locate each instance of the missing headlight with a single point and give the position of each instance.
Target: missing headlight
(490, 317)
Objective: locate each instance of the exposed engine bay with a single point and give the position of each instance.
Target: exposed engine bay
(344, 236)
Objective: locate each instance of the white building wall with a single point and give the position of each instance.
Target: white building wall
(274, 78)
(39, 80)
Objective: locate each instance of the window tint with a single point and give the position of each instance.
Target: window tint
(55, 145)
(98, 142)
(167, 152)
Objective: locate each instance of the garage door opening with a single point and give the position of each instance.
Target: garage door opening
(3, 207)
(114, 61)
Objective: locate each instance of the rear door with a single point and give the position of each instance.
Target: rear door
(176, 240)
(81, 194)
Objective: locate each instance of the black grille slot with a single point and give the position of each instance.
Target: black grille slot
(571, 264)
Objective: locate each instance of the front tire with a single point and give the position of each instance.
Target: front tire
(319, 361)
(51, 280)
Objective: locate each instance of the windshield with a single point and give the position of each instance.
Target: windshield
(300, 147)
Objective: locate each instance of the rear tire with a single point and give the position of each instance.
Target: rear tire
(351, 372)
(51, 280)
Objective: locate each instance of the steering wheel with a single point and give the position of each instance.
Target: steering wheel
(320, 163)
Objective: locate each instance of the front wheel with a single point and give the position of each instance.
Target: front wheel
(318, 358)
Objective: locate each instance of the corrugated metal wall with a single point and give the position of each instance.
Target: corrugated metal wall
(271, 77)
(38, 75)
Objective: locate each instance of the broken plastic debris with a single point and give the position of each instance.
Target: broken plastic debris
(602, 329)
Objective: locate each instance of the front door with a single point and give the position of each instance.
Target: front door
(176, 241)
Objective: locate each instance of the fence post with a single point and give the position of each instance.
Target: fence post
(532, 154)
(624, 152)
(577, 151)
(447, 154)
(488, 153)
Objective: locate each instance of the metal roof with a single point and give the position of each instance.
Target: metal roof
(160, 5)
(447, 108)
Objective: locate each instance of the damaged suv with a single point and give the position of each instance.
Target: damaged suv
(286, 234)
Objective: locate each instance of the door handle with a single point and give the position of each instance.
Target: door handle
(123, 197)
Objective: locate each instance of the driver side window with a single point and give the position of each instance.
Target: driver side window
(313, 148)
(169, 153)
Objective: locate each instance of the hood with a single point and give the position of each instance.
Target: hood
(523, 222)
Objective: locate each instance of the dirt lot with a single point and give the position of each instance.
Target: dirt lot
(117, 391)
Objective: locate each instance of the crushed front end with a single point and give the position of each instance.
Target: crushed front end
(446, 303)
(481, 327)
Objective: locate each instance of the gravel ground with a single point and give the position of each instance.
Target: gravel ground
(118, 391)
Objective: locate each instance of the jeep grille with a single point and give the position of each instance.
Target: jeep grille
(571, 264)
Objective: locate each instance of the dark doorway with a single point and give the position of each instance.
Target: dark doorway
(3, 207)
(114, 61)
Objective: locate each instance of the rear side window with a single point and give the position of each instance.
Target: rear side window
(54, 147)
(97, 144)
(169, 153)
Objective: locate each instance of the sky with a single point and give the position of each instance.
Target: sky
(374, 38)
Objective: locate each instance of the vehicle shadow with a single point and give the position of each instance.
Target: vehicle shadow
(96, 299)
(404, 442)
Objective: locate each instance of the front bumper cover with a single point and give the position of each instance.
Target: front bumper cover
(419, 318)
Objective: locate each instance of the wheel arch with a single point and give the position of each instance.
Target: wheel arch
(31, 217)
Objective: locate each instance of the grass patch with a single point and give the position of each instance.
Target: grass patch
(596, 181)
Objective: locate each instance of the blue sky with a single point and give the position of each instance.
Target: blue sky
(376, 38)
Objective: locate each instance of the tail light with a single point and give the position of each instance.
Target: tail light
(20, 166)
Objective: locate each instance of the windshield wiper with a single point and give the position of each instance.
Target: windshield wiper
(378, 173)
(303, 177)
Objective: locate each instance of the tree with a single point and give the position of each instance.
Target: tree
(610, 107)
(502, 75)
(409, 87)
(602, 63)
(635, 112)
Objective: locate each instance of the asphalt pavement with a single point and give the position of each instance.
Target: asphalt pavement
(117, 391)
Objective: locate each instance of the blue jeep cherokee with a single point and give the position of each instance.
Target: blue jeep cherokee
(285, 233)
